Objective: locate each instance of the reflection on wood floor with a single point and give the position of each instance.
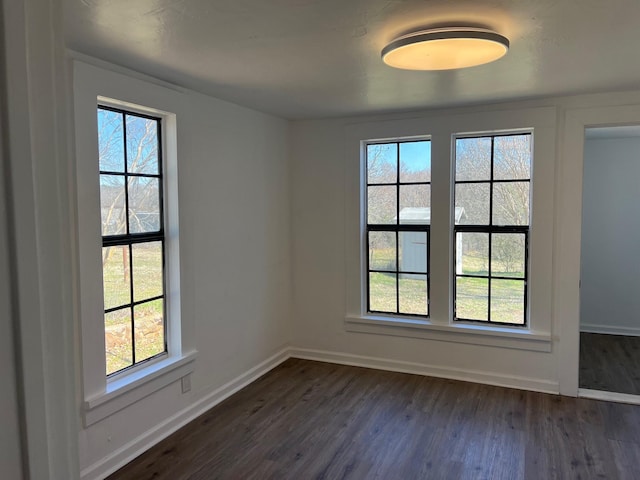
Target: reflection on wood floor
(610, 363)
(313, 420)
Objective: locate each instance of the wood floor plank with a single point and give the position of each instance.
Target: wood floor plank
(313, 420)
(610, 363)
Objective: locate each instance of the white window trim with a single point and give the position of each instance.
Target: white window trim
(104, 396)
(442, 129)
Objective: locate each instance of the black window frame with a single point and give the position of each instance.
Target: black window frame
(129, 239)
(396, 228)
(492, 229)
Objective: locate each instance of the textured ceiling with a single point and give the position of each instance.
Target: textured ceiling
(320, 58)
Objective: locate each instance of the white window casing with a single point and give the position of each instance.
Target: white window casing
(442, 129)
(101, 396)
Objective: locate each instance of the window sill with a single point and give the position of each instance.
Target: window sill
(128, 389)
(505, 337)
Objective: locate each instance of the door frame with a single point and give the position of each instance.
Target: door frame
(569, 231)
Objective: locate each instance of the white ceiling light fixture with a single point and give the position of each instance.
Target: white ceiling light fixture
(445, 49)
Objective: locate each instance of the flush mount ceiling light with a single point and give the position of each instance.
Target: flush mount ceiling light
(445, 48)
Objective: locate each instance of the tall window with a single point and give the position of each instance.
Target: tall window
(398, 220)
(131, 195)
(492, 198)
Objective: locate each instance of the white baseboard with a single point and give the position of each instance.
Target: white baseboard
(610, 330)
(488, 378)
(609, 396)
(144, 442)
(141, 444)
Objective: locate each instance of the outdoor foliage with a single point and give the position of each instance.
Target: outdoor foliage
(129, 144)
(398, 192)
(506, 202)
(507, 162)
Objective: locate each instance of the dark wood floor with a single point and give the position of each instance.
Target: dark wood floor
(313, 420)
(610, 363)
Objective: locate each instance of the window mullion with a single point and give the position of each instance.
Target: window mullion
(490, 235)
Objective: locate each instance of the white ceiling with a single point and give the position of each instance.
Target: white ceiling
(319, 58)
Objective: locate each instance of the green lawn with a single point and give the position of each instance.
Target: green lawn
(507, 296)
(413, 293)
(149, 331)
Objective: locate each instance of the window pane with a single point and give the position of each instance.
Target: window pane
(381, 205)
(512, 157)
(507, 255)
(118, 340)
(382, 163)
(115, 276)
(472, 254)
(415, 161)
(382, 251)
(413, 294)
(382, 292)
(414, 204)
(413, 252)
(473, 158)
(149, 324)
(110, 141)
(144, 205)
(473, 200)
(147, 270)
(472, 298)
(112, 199)
(511, 203)
(142, 145)
(507, 301)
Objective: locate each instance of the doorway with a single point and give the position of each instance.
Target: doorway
(609, 354)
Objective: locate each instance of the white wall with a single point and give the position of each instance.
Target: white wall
(35, 108)
(235, 267)
(322, 212)
(324, 227)
(610, 266)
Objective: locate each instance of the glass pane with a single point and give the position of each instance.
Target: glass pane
(149, 324)
(116, 276)
(473, 158)
(147, 270)
(472, 203)
(472, 254)
(110, 141)
(512, 157)
(415, 161)
(511, 203)
(144, 205)
(414, 204)
(507, 301)
(472, 298)
(381, 205)
(382, 163)
(382, 251)
(118, 340)
(413, 294)
(382, 292)
(142, 145)
(413, 252)
(507, 255)
(112, 198)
